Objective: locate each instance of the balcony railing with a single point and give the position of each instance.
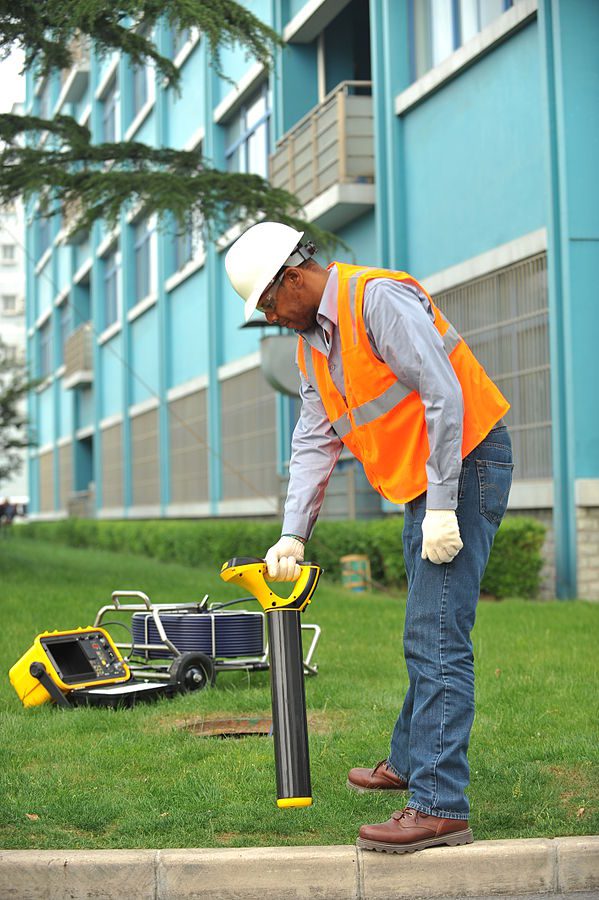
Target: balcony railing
(75, 79)
(332, 145)
(72, 211)
(78, 358)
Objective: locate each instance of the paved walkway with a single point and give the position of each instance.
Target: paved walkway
(555, 868)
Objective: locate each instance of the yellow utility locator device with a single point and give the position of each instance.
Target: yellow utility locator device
(62, 661)
(251, 574)
(290, 727)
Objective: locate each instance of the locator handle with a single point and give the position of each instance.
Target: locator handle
(251, 572)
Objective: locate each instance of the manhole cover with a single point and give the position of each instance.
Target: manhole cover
(229, 728)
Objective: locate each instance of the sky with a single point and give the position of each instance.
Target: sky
(13, 84)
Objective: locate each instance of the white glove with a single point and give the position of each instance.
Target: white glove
(440, 536)
(282, 559)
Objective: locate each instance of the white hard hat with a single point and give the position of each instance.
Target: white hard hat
(256, 257)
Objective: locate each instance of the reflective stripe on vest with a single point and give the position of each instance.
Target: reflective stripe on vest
(451, 339)
(342, 426)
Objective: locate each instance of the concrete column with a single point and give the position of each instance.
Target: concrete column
(390, 74)
(214, 152)
(56, 392)
(569, 36)
(31, 342)
(163, 240)
(96, 293)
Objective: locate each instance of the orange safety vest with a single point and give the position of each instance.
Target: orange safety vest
(381, 420)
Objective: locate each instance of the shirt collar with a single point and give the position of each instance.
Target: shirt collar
(326, 317)
(327, 311)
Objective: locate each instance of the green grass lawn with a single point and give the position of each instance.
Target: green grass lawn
(91, 778)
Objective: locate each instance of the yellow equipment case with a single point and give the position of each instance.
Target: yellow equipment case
(60, 662)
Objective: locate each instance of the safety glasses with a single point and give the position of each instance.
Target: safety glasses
(269, 302)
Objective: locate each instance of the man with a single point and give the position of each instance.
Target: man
(383, 372)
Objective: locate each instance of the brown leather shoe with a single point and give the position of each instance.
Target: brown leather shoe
(381, 778)
(409, 829)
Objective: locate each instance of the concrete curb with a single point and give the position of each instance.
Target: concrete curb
(486, 868)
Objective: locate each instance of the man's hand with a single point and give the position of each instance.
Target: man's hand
(282, 559)
(441, 540)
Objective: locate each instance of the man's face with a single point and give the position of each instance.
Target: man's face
(289, 302)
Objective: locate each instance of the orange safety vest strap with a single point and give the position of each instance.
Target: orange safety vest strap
(353, 284)
(451, 338)
(347, 324)
(353, 301)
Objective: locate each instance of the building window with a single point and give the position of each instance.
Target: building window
(44, 234)
(142, 82)
(247, 136)
(9, 304)
(109, 113)
(145, 258)
(439, 27)
(46, 349)
(183, 249)
(10, 354)
(9, 254)
(112, 289)
(44, 100)
(181, 37)
(65, 327)
(189, 245)
(140, 88)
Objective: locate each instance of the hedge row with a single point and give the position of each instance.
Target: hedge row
(513, 570)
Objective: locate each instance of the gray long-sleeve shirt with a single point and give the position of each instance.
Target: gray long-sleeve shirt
(399, 323)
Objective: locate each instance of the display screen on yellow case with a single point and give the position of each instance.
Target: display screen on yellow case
(84, 657)
(70, 660)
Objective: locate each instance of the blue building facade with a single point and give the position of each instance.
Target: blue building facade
(455, 139)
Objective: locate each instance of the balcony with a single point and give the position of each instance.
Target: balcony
(74, 233)
(78, 357)
(327, 159)
(75, 80)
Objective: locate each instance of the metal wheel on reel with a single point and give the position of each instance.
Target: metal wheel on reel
(192, 672)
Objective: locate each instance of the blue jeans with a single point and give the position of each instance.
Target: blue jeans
(430, 741)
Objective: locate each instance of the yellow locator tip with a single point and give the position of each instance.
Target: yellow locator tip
(286, 802)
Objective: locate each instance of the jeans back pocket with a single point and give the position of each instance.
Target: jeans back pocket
(494, 481)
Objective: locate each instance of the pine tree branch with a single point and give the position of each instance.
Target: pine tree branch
(100, 178)
(46, 29)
